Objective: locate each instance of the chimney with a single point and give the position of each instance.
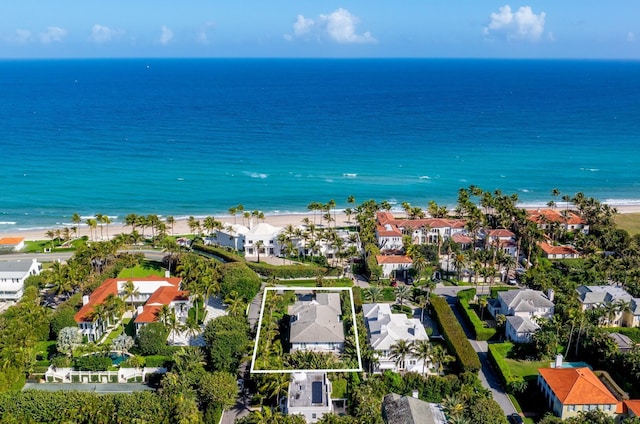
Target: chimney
(415, 394)
(167, 274)
(251, 223)
(139, 310)
(85, 299)
(550, 294)
(558, 363)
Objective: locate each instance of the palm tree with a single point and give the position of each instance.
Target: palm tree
(258, 245)
(422, 351)
(76, 220)
(170, 220)
(92, 224)
(440, 357)
(453, 406)
(130, 291)
(402, 292)
(399, 352)
(106, 221)
(373, 294)
(482, 303)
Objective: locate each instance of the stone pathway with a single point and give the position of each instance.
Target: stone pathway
(213, 309)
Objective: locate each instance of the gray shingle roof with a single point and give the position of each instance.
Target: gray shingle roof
(317, 320)
(526, 300)
(408, 410)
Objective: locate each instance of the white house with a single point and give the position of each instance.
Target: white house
(521, 307)
(316, 324)
(11, 244)
(393, 265)
(385, 329)
(153, 292)
(12, 277)
(230, 235)
(262, 237)
(595, 297)
(309, 395)
(502, 239)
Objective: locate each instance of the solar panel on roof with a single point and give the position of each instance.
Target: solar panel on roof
(316, 392)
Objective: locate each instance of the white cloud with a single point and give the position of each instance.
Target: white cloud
(339, 26)
(21, 36)
(103, 34)
(631, 37)
(522, 24)
(53, 34)
(202, 35)
(166, 36)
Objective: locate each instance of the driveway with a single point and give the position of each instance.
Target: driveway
(487, 375)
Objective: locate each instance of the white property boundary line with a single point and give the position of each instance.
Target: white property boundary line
(297, 289)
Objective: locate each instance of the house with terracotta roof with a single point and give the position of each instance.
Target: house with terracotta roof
(550, 251)
(393, 265)
(11, 244)
(390, 230)
(385, 329)
(569, 391)
(13, 275)
(567, 219)
(316, 324)
(153, 292)
(502, 239)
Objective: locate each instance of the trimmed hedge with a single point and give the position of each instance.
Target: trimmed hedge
(480, 330)
(224, 254)
(497, 353)
(291, 271)
(454, 336)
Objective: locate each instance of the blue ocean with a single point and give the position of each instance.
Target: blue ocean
(197, 136)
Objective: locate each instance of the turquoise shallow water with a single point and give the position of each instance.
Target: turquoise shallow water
(194, 137)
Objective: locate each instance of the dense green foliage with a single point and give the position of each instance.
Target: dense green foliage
(224, 254)
(457, 343)
(35, 406)
(290, 271)
(93, 363)
(152, 339)
(240, 278)
(227, 341)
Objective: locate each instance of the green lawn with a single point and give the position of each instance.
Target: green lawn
(45, 349)
(145, 269)
(629, 222)
(526, 369)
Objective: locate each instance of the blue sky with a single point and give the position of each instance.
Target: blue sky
(303, 28)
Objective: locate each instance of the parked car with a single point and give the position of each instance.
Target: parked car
(515, 419)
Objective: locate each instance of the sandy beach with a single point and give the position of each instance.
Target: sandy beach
(181, 225)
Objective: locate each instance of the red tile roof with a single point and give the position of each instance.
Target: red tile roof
(461, 238)
(110, 286)
(553, 215)
(577, 386)
(557, 250)
(500, 233)
(11, 241)
(386, 218)
(633, 405)
(393, 259)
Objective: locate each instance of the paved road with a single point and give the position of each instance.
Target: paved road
(487, 375)
(155, 255)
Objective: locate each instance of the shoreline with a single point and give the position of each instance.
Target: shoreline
(181, 226)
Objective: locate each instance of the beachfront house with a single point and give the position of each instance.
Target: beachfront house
(618, 307)
(229, 235)
(550, 251)
(522, 308)
(13, 275)
(569, 391)
(151, 294)
(385, 329)
(390, 230)
(262, 239)
(315, 323)
(309, 395)
(394, 266)
(566, 219)
(11, 244)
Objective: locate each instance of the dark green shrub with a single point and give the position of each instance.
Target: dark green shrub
(93, 363)
(240, 278)
(152, 339)
(455, 338)
(157, 361)
(497, 353)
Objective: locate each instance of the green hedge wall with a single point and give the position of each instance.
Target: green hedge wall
(480, 330)
(224, 254)
(455, 338)
(497, 353)
(288, 271)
